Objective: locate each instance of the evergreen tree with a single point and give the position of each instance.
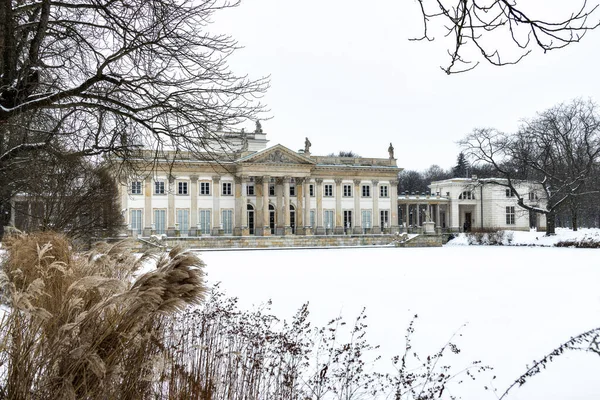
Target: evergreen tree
(461, 168)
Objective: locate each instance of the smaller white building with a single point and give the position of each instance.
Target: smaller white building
(486, 204)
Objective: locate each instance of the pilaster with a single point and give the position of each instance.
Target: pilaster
(339, 221)
(319, 186)
(376, 219)
(217, 229)
(394, 210)
(147, 207)
(193, 205)
(357, 228)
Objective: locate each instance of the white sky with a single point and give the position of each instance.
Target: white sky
(344, 74)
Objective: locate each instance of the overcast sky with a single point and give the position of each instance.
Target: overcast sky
(344, 74)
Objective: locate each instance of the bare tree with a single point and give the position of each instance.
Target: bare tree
(476, 26)
(95, 77)
(558, 152)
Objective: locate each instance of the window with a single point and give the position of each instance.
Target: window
(250, 189)
(366, 191)
(227, 220)
(159, 221)
(136, 221)
(136, 187)
(312, 218)
(159, 187)
(292, 189)
(328, 190)
(182, 188)
(205, 188)
(510, 215)
(311, 190)
(510, 193)
(226, 189)
(329, 215)
(204, 222)
(533, 196)
(384, 218)
(366, 218)
(467, 195)
(271, 190)
(183, 220)
(347, 191)
(383, 191)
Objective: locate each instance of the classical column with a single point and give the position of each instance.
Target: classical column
(357, 229)
(279, 216)
(216, 211)
(308, 229)
(266, 212)
(394, 210)
(194, 205)
(148, 207)
(237, 229)
(320, 230)
(375, 194)
(339, 221)
(407, 216)
(259, 216)
(287, 228)
(299, 206)
(245, 230)
(171, 230)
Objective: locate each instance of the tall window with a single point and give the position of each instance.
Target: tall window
(271, 189)
(366, 191)
(329, 215)
(533, 196)
(312, 218)
(205, 188)
(384, 218)
(510, 215)
(383, 191)
(159, 187)
(366, 218)
(328, 190)
(292, 189)
(160, 217)
(183, 220)
(227, 219)
(204, 221)
(136, 221)
(136, 187)
(347, 190)
(250, 189)
(311, 190)
(226, 189)
(182, 188)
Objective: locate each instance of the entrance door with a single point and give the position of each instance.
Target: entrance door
(467, 224)
(293, 219)
(250, 211)
(347, 220)
(272, 218)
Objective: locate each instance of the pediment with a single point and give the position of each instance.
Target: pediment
(276, 155)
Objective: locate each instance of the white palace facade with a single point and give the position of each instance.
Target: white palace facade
(259, 190)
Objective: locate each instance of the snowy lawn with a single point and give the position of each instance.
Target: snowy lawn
(533, 238)
(519, 303)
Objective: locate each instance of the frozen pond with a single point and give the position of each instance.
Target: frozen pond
(518, 303)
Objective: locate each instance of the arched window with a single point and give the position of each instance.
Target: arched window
(467, 195)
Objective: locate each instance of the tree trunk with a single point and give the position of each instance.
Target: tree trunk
(550, 223)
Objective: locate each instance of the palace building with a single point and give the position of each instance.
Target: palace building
(252, 189)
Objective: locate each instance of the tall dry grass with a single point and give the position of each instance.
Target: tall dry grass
(81, 326)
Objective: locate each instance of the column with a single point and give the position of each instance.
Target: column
(194, 205)
(319, 230)
(308, 229)
(279, 216)
(216, 211)
(244, 201)
(287, 228)
(407, 216)
(375, 194)
(266, 212)
(438, 223)
(454, 217)
(299, 206)
(240, 206)
(148, 206)
(171, 229)
(339, 221)
(394, 210)
(357, 229)
(260, 204)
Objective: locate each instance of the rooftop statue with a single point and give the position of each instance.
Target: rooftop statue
(391, 151)
(307, 145)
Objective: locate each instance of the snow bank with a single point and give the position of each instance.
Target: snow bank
(534, 238)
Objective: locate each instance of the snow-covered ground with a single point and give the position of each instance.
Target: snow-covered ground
(518, 303)
(533, 238)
